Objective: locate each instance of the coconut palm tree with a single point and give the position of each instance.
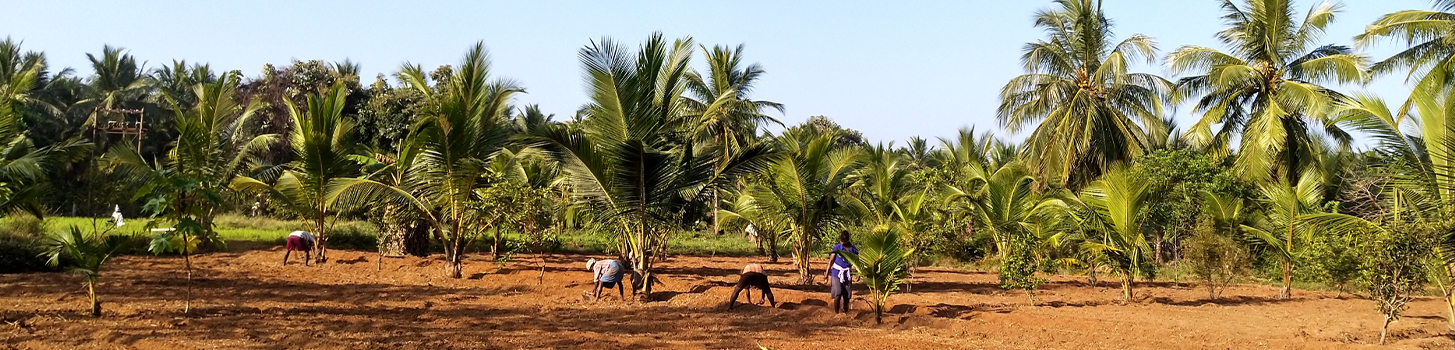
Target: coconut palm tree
(1087, 109)
(1279, 226)
(1001, 203)
(720, 106)
(1268, 86)
(323, 143)
(1427, 152)
(212, 148)
(1113, 208)
(883, 264)
(626, 164)
(757, 206)
(464, 124)
(809, 184)
(1430, 35)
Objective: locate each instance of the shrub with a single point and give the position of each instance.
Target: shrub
(1216, 260)
(20, 245)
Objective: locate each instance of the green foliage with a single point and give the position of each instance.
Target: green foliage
(1018, 267)
(1394, 271)
(882, 264)
(84, 254)
(1216, 259)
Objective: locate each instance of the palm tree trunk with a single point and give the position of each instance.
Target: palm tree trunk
(1126, 287)
(715, 230)
(187, 260)
(800, 255)
(95, 302)
(1449, 292)
(1288, 261)
(495, 246)
(772, 246)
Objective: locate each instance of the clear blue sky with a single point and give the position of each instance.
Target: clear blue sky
(890, 69)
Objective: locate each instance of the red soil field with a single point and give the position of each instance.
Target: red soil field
(245, 300)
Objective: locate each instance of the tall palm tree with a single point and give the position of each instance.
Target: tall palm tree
(1268, 86)
(119, 82)
(626, 164)
(464, 124)
(323, 143)
(22, 163)
(1092, 111)
(720, 105)
(1430, 35)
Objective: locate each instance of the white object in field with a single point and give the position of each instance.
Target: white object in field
(304, 234)
(164, 229)
(752, 231)
(116, 216)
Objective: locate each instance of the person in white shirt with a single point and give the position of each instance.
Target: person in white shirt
(299, 241)
(116, 216)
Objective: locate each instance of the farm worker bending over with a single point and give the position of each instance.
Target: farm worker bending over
(606, 274)
(838, 272)
(299, 241)
(753, 276)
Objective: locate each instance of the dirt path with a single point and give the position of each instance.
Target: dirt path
(247, 301)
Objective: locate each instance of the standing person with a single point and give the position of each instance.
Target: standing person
(607, 273)
(299, 241)
(838, 272)
(753, 276)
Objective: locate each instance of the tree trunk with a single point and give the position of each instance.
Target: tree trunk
(455, 267)
(1127, 288)
(715, 230)
(1384, 331)
(1157, 248)
(1287, 291)
(95, 302)
(772, 246)
(1449, 292)
(1091, 274)
(495, 246)
(800, 256)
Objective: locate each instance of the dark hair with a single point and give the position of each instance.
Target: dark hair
(844, 238)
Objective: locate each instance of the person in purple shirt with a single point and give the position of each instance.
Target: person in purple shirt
(838, 272)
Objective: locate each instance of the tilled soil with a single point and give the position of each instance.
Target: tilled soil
(246, 300)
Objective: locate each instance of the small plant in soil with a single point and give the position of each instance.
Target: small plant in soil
(85, 254)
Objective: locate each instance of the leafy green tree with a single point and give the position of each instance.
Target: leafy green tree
(1091, 110)
(322, 141)
(1178, 178)
(85, 255)
(883, 265)
(1268, 86)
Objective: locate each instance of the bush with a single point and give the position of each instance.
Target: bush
(20, 245)
(1216, 260)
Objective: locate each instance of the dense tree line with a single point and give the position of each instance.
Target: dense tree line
(1265, 184)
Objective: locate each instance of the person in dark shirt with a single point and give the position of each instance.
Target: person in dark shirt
(839, 274)
(754, 277)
